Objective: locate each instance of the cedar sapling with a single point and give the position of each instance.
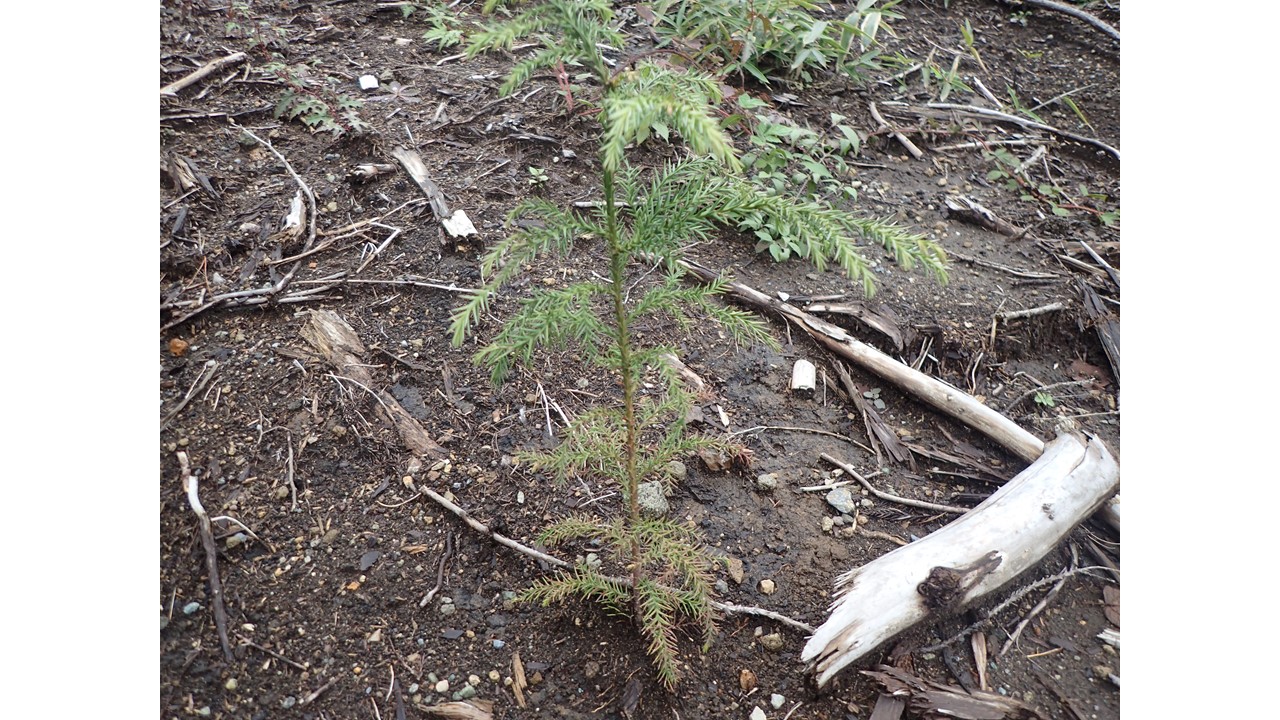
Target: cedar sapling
(646, 215)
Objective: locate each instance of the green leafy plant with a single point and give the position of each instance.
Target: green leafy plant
(1010, 172)
(649, 216)
(313, 102)
(262, 35)
(446, 29)
(930, 73)
(769, 38)
(537, 176)
(1045, 399)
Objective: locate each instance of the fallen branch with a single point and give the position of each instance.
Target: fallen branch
(902, 139)
(501, 539)
(969, 558)
(1022, 122)
(265, 295)
(892, 498)
(949, 400)
(1074, 12)
(206, 374)
(203, 72)
(1030, 312)
(191, 486)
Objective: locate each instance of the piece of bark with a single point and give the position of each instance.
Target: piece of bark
(888, 707)
(1106, 325)
(691, 378)
(462, 710)
(457, 224)
(969, 558)
(880, 322)
(878, 432)
(341, 347)
(931, 700)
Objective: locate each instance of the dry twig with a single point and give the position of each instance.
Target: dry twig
(728, 608)
(892, 498)
(204, 71)
(191, 486)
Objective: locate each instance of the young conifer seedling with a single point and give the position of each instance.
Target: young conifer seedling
(646, 215)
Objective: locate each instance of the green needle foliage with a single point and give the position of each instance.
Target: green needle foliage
(647, 217)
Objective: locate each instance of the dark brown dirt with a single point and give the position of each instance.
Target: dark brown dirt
(329, 594)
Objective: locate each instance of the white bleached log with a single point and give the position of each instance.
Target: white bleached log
(975, 555)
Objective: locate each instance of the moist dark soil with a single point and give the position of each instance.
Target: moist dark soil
(330, 548)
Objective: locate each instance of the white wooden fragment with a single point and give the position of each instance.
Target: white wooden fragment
(804, 377)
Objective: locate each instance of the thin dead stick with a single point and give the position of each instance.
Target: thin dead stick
(1022, 122)
(244, 527)
(546, 409)
(204, 71)
(910, 146)
(1114, 273)
(1074, 12)
(1024, 274)
(892, 498)
(801, 429)
(191, 486)
(1013, 598)
(265, 295)
(984, 144)
(395, 232)
(444, 558)
(557, 562)
(293, 487)
(1043, 388)
(206, 374)
(415, 283)
(1040, 606)
(272, 653)
(1031, 312)
(318, 691)
(212, 115)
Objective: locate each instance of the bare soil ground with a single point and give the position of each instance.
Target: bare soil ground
(324, 599)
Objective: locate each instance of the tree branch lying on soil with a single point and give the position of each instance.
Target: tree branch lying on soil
(971, 557)
(728, 608)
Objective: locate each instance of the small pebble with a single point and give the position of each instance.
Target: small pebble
(448, 609)
(205, 711)
(841, 499)
(678, 470)
(466, 693)
(827, 523)
(494, 675)
(767, 586)
(499, 644)
(473, 679)
(591, 669)
(776, 700)
(772, 641)
(767, 482)
(230, 684)
(758, 714)
(442, 686)
(288, 702)
(190, 608)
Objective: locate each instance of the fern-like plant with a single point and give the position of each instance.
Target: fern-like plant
(647, 215)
